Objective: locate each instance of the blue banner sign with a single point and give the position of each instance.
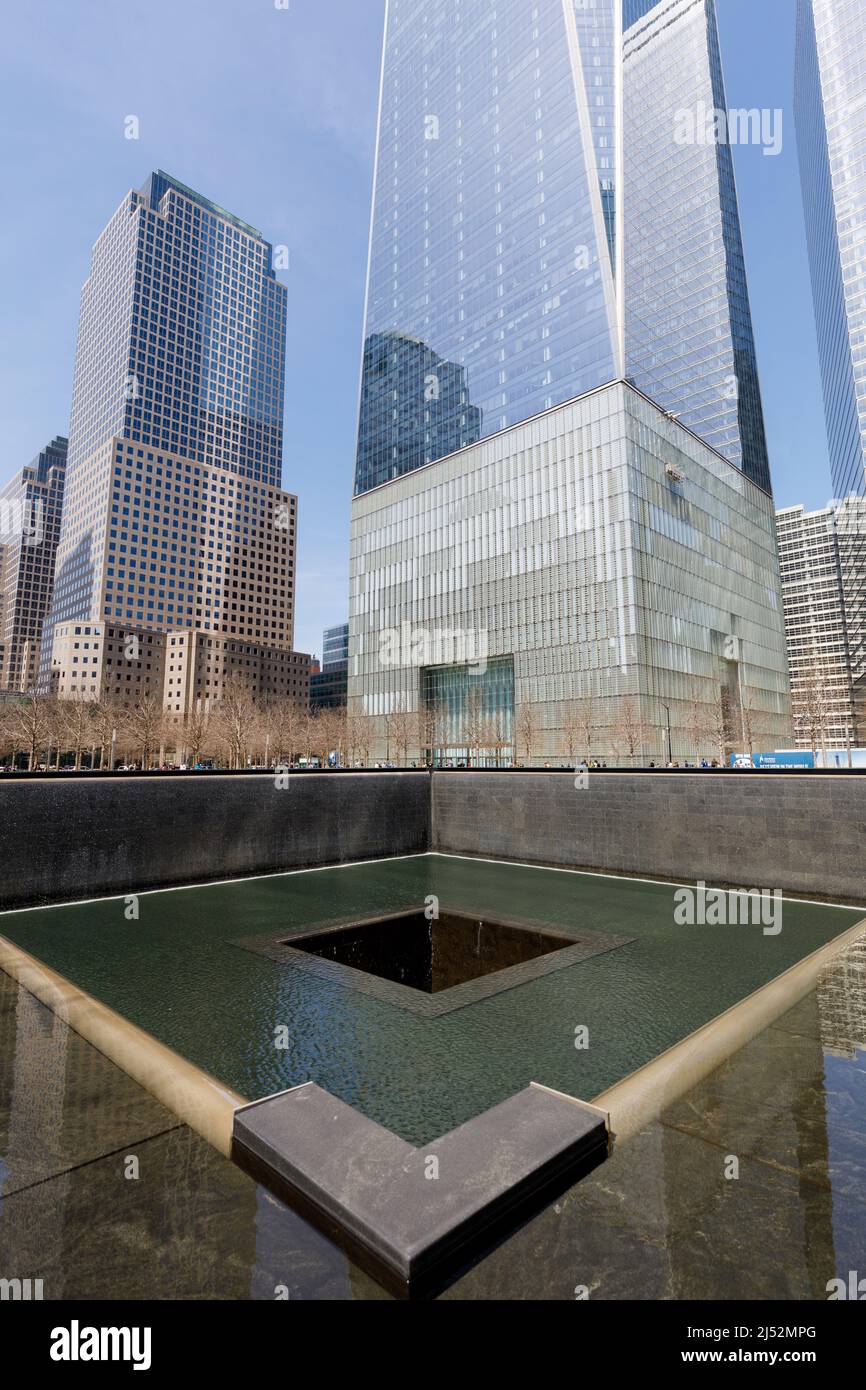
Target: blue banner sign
(783, 758)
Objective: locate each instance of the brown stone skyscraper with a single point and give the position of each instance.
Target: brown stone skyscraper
(176, 522)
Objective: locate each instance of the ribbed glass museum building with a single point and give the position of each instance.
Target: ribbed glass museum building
(562, 513)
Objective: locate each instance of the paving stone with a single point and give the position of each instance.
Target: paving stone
(410, 1215)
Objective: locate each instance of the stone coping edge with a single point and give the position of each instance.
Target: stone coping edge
(640, 1098)
(198, 1099)
(416, 1218)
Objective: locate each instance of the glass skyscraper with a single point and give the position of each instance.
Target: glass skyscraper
(328, 686)
(491, 290)
(633, 10)
(562, 529)
(516, 260)
(335, 645)
(689, 341)
(31, 506)
(174, 518)
(830, 108)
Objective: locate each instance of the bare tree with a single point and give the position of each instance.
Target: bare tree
(234, 718)
(75, 725)
(57, 738)
(812, 704)
(719, 723)
(473, 726)
(571, 730)
(400, 728)
(261, 740)
(317, 738)
(329, 735)
(289, 728)
(586, 721)
(195, 733)
(106, 717)
(754, 720)
(31, 724)
(309, 735)
(527, 726)
(339, 734)
(629, 731)
(495, 736)
(697, 724)
(7, 742)
(430, 725)
(359, 735)
(144, 726)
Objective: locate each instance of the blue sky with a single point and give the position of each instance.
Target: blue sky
(271, 112)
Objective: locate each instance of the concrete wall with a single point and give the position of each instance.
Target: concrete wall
(68, 838)
(805, 835)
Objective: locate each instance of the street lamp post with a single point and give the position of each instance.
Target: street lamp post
(667, 710)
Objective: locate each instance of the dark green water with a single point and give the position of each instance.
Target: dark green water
(176, 974)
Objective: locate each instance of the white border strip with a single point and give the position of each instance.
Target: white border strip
(211, 883)
(392, 859)
(622, 878)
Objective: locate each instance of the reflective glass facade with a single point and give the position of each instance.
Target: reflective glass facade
(335, 645)
(518, 258)
(471, 713)
(31, 507)
(618, 561)
(830, 107)
(328, 686)
(633, 10)
(491, 290)
(689, 341)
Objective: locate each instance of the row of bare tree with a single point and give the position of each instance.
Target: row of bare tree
(237, 732)
(821, 703)
(714, 728)
(241, 731)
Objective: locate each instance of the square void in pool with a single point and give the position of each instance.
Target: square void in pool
(433, 968)
(431, 956)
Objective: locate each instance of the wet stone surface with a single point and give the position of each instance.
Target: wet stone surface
(661, 1218)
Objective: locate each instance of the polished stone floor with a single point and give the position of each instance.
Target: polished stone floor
(664, 1218)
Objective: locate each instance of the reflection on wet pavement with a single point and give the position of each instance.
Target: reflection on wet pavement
(190, 1225)
(664, 1218)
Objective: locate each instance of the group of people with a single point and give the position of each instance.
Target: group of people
(593, 764)
(705, 763)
